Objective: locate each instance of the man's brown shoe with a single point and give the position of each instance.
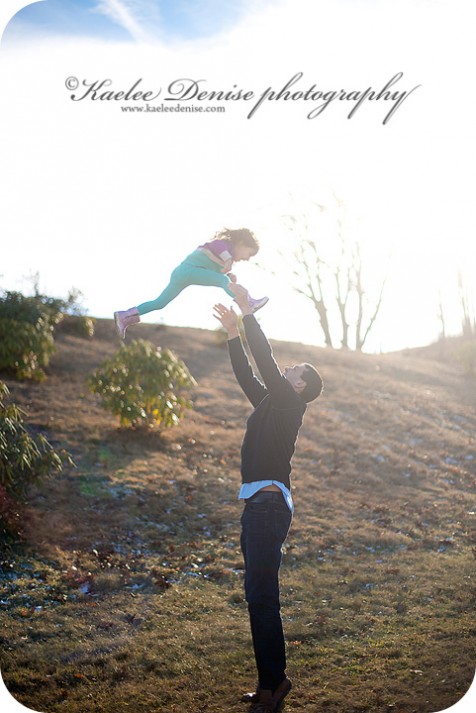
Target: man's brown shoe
(268, 701)
(280, 694)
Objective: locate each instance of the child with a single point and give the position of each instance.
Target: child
(209, 264)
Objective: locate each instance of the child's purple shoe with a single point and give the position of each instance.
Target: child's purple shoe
(124, 319)
(257, 304)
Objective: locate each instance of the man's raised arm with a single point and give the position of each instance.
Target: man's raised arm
(250, 384)
(260, 347)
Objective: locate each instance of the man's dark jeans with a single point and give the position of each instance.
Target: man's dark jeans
(265, 523)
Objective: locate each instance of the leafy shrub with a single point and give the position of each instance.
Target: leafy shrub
(73, 320)
(27, 330)
(10, 518)
(26, 334)
(143, 385)
(23, 459)
(78, 324)
(25, 348)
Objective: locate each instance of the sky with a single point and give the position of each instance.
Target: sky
(109, 200)
(126, 20)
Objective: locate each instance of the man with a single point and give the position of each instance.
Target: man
(268, 446)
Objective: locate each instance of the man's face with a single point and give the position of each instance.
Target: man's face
(294, 375)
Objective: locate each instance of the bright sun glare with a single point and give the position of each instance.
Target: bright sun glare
(115, 201)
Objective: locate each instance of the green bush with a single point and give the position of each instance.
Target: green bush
(26, 333)
(27, 327)
(10, 518)
(25, 348)
(73, 319)
(23, 458)
(18, 307)
(143, 385)
(77, 324)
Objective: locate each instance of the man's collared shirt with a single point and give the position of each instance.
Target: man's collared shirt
(247, 490)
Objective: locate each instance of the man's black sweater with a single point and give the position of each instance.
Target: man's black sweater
(272, 428)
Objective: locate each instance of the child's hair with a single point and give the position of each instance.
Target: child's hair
(242, 235)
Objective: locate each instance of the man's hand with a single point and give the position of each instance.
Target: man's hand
(241, 298)
(231, 276)
(228, 318)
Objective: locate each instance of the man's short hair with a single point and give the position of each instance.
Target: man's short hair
(314, 383)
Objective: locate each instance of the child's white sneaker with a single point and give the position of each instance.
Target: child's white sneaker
(124, 319)
(257, 304)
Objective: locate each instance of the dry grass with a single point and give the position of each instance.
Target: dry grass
(127, 591)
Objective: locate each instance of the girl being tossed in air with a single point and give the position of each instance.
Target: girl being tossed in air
(209, 264)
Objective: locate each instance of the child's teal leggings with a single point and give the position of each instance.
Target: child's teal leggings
(196, 269)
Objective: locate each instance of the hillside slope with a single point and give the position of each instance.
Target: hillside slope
(131, 571)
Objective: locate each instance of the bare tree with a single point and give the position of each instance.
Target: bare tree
(342, 275)
(441, 316)
(308, 270)
(361, 332)
(468, 316)
(328, 269)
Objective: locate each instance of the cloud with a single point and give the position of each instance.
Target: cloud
(152, 20)
(135, 17)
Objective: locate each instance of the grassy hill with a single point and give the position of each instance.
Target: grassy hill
(127, 592)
